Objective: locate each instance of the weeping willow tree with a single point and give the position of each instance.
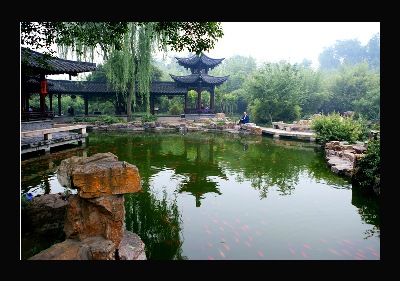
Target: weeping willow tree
(129, 69)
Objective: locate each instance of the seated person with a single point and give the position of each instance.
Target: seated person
(245, 119)
(71, 111)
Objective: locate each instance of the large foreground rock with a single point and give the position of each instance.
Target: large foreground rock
(94, 217)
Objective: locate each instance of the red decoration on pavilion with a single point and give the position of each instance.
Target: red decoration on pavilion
(43, 87)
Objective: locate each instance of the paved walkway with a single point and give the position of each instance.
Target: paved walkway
(294, 134)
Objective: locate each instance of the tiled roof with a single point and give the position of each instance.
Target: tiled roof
(76, 87)
(194, 79)
(81, 87)
(202, 62)
(32, 60)
(167, 88)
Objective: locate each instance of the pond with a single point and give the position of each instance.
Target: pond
(222, 196)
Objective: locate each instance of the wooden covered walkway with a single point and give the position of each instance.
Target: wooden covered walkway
(46, 139)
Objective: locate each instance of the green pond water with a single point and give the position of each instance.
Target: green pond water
(222, 196)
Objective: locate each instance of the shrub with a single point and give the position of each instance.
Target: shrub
(333, 127)
(101, 118)
(148, 118)
(368, 168)
(175, 109)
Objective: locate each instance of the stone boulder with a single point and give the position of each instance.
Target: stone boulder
(94, 217)
(342, 158)
(44, 215)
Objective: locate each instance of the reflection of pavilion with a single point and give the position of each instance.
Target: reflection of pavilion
(197, 164)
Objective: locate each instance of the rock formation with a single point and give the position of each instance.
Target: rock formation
(94, 217)
(342, 158)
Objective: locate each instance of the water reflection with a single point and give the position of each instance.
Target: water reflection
(224, 196)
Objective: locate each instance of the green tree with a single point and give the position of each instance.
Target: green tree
(374, 51)
(349, 86)
(351, 52)
(239, 69)
(85, 37)
(97, 76)
(274, 93)
(328, 59)
(313, 95)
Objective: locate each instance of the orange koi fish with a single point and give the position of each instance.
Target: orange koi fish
(222, 254)
(346, 252)
(358, 254)
(336, 253)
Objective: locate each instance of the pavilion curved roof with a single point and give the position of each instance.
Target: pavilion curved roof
(196, 78)
(199, 61)
(38, 63)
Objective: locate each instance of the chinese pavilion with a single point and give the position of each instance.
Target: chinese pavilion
(199, 79)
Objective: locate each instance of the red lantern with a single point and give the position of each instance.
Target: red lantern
(43, 87)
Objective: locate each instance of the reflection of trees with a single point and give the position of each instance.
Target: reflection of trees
(36, 171)
(266, 163)
(368, 205)
(157, 222)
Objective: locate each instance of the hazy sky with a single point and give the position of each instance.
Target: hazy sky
(290, 41)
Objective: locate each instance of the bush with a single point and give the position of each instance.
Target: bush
(368, 168)
(148, 118)
(175, 109)
(101, 118)
(333, 127)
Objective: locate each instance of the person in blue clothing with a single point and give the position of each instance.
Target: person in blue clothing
(245, 119)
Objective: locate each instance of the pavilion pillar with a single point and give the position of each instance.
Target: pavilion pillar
(186, 103)
(51, 102)
(59, 103)
(199, 90)
(152, 104)
(212, 100)
(86, 101)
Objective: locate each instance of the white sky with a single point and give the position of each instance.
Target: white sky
(289, 41)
